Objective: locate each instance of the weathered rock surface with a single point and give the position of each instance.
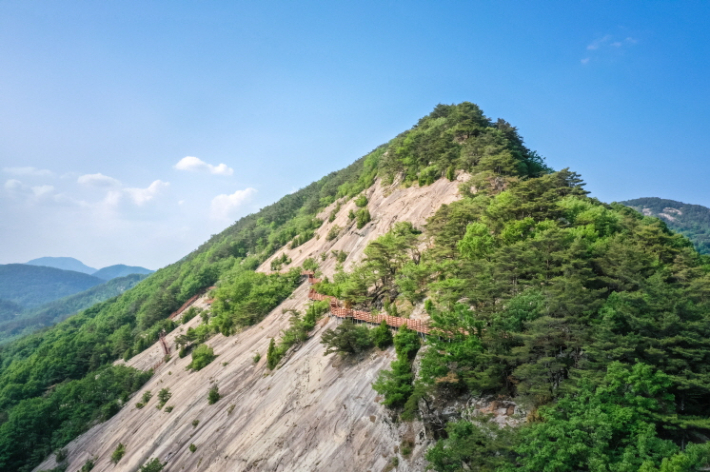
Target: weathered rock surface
(313, 413)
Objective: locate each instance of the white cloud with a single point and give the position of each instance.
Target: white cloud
(33, 171)
(42, 190)
(143, 195)
(13, 184)
(585, 60)
(597, 43)
(224, 206)
(98, 180)
(195, 164)
(17, 188)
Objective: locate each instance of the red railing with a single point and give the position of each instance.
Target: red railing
(366, 316)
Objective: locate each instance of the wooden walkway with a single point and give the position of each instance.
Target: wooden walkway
(365, 316)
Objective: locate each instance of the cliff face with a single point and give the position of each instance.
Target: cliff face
(312, 413)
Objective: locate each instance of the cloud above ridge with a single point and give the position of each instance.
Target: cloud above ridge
(195, 164)
(225, 206)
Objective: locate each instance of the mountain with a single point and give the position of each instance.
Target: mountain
(8, 310)
(21, 322)
(120, 270)
(64, 263)
(550, 331)
(691, 220)
(31, 286)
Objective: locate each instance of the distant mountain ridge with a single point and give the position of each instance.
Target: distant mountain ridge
(691, 220)
(64, 263)
(106, 273)
(120, 270)
(31, 286)
(16, 322)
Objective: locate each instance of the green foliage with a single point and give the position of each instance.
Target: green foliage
(88, 465)
(347, 339)
(168, 409)
(381, 336)
(272, 357)
(118, 453)
(190, 313)
(147, 395)
(48, 314)
(244, 297)
(37, 426)
(340, 256)
(153, 465)
(193, 448)
(195, 423)
(256, 358)
(310, 264)
(351, 215)
(479, 445)
(396, 385)
(334, 213)
(278, 262)
(202, 355)
(61, 455)
(361, 201)
(213, 395)
(363, 217)
(163, 397)
(30, 286)
(333, 233)
(297, 332)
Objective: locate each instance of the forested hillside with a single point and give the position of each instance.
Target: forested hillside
(591, 317)
(30, 286)
(27, 321)
(691, 220)
(120, 270)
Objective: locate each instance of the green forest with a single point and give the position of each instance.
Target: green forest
(19, 322)
(593, 317)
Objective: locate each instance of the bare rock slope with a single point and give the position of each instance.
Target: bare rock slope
(312, 413)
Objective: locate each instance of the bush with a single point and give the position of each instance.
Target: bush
(361, 201)
(164, 395)
(310, 264)
(88, 465)
(139, 405)
(202, 355)
(347, 339)
(340, 256)
(256, 358)
(277, 262)
(334, 213)
(395, 384)
(381, 336)
(61, 455)
(193, 448)
(406, 343)
(351, 215)
(168, 409)
(190, 314)
(333, 233)
(147, 395)
(118, 454)
(213, 396)
(154, 465)
(363, 217)
(195, 423)
(272, 355)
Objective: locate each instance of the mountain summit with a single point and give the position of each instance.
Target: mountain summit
(446, 301)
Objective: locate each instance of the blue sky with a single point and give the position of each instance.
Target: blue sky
(101, 101)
